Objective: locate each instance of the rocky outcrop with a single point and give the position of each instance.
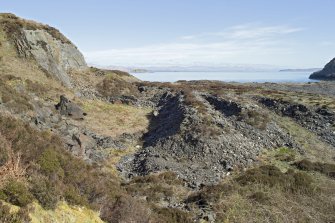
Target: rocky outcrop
(52, 50)
(54, 56)
(327, 73)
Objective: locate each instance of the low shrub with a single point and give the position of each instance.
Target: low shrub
(292, 181)
(17, 193)
(6, 215)
(120, 73)
(116, 87)
(255, 118)
(167, 177)
(53, 172)
(125, 209)
(324, 168)
(73, 196)
(45, 191)
(35, 87)
(49, 162)
(260, 197)
(171, 215)
(14, 100)
(285, 154)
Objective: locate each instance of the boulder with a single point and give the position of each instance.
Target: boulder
(68, 108)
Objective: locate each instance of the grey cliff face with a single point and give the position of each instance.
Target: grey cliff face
(54, 56)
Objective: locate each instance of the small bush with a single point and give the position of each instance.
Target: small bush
(167, 177)
(255, 119)
(36, 87)
(120, 73)
(73, 196)
(155, 187)
(50, 163)
(14, 100)
(171, 215)
(53, 172)
(285, 154)
(295, 182)
(45, 192)
(324, 168)
(125, 209)
(6, 216)
(116, 87)
(17, 193)
(260, 197)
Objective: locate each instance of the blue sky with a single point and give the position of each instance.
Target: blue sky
(287, 33)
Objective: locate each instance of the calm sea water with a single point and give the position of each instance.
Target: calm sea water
(226, 76)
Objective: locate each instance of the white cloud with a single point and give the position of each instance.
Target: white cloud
(249, 31)
(238, 44)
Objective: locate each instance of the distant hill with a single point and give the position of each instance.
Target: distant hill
(301, 70)
(327, 73)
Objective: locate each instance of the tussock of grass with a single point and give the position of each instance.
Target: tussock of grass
(285, 154)
(325, 168)
(14, 100)
(255, 118)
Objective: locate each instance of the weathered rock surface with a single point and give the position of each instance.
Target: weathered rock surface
(68, 108)
(53, 52)
(327, 73)
(54, 56)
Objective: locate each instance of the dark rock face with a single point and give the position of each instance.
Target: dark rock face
(68, 108)
(227, 107)
(327, 73)
(317, 120)
(161, 124)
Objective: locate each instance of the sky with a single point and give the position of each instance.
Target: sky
(137, 33)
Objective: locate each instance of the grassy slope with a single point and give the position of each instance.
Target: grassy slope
(22, 80)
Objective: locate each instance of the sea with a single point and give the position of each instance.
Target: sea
(243, 77)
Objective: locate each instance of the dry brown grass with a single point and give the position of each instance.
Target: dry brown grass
(12, 25)
(114, 119)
